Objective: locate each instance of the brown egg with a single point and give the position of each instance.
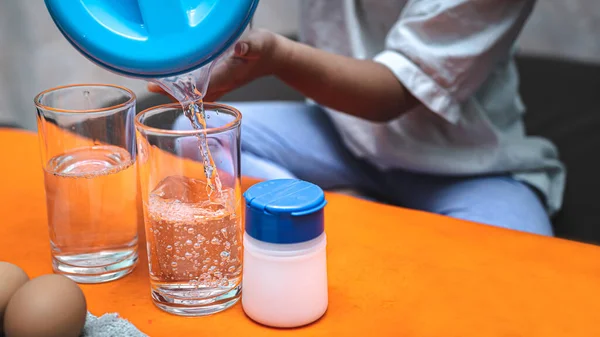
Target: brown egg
(47, 306)
(11, 279)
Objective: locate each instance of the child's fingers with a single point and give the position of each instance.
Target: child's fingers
(155, 88)
(220, 76)
(254, 44)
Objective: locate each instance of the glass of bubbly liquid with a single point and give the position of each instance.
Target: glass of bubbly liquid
(190, 180)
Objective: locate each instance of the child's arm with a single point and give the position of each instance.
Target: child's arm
(362, 88)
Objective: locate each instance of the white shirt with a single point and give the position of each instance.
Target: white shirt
(455, 57)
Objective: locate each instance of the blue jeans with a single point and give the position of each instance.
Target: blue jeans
(295, 140)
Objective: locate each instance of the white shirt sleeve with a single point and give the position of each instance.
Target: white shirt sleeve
(443, 50)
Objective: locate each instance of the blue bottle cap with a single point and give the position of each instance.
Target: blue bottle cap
(151, 38)
(285, 211)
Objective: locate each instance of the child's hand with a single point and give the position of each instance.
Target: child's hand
(255, 55)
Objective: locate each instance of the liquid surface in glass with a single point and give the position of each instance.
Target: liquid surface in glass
(92, 205)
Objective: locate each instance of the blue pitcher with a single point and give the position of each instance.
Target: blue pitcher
(152, 38)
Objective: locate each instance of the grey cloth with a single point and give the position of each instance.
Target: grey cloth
(109, 325)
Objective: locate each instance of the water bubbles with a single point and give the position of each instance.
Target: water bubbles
(197, 248)
(208, 171)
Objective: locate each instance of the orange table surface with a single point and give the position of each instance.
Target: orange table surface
(392, 271)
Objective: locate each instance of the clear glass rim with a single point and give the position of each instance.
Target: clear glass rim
(38, 98)
(209, 131)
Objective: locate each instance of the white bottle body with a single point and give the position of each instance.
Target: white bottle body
(285, 285)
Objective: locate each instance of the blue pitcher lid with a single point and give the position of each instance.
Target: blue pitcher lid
(284, 211)
(152, 38)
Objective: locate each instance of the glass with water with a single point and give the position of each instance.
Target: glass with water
(88, 151)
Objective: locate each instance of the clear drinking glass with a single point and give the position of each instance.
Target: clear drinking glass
(87, 145)
(193, 223)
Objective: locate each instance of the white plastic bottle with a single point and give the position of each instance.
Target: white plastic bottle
(285, 264)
